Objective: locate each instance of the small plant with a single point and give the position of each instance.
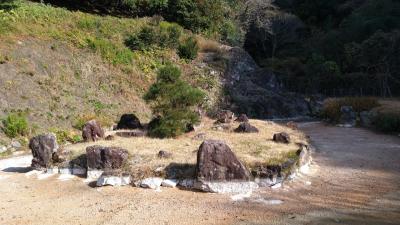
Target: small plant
(188, 49)
(64, 136)
(15, 124)
(173, 100)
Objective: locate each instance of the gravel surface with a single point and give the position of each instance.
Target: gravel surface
(354, 179)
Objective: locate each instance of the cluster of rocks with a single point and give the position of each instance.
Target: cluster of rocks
(349, 118)
(217, 169)
(225, 117)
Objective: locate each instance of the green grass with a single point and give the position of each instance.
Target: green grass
(15, 124)
(104, 35)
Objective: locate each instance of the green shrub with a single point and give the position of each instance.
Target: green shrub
(165, 35)
(387, 122)
(331, 108)
(188, 49)
(173, 100)
(15, 124)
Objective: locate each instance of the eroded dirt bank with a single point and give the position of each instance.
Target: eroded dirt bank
(354, 179)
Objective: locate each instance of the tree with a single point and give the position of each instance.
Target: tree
(268, 28)
(173, 101)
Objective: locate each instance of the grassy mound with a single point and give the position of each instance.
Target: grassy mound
(252, 149)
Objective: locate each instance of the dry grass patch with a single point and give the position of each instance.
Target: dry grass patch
(206, 45)
(252, 149)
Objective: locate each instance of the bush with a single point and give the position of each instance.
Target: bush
(387, 122)
(173, 100)
(331, 108)
(165, 35)
(188, 49)
(15, 124)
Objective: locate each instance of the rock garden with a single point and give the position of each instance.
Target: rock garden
(226, 154)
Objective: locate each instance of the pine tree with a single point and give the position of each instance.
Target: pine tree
(173, 101)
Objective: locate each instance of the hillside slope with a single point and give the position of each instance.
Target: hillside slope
(61, 67)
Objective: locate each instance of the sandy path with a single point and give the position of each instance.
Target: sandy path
(354, 179)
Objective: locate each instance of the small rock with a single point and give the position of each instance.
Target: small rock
(242, 118)
(16, 144)
(169, 183)
(164, 154)
(246, 128)
(282, 138)
(225, 116)
(152, 183)
(186, 183)
(109, 138)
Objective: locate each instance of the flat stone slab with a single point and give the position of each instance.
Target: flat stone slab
(94, 174)
(152, 183)
(129, 134)
(226, 187)
(110, 180)
(169, 183)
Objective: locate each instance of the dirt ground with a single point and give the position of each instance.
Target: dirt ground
(354, 179)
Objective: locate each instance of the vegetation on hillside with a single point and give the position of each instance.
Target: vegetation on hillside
(337, 48)
(132, 50)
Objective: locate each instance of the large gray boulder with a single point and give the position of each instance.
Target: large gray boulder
(217, 162)
(105, 158)
(92, 131)
(258, 92)
(43, 148)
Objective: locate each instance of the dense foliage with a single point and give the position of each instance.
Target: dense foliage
(164, 35)
(173, 101)
(334, 47)
(211, 17)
